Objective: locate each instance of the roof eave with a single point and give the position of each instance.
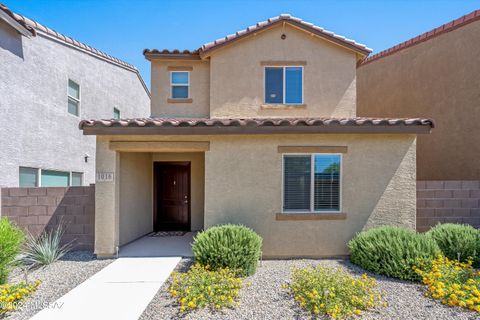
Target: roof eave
(239, 130)
(205, 53)
(16, 25)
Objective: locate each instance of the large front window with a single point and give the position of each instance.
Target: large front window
(311, 183)
(284, 85)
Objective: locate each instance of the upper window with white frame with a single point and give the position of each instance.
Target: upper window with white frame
(284, 85)
(73, 98)
(312, 183)
(180, 83)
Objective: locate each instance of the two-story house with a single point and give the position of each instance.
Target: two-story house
(258, 128)
(48, 83)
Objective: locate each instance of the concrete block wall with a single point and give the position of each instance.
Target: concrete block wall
(447, 201)
(37, 209)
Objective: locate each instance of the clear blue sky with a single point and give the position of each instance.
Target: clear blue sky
(123, 28)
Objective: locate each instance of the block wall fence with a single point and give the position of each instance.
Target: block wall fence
(37, 209)
(447, 201)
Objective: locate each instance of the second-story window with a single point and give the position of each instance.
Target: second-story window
(73, 98)
(116, 113)
(180, 83)
(284, 85)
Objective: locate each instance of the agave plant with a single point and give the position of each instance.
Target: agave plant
(47, 248)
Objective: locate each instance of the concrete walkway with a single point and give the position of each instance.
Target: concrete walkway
(120, 291)
(147, 246)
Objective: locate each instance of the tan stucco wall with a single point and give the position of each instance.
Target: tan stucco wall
(135, 211)
(440, 79)
(199, 89)
(197, 186)
(243, 185)
(237, 77)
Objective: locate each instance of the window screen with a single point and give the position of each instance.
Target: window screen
(296, 190)
(77, 179)
(273, 85)
(28, 177)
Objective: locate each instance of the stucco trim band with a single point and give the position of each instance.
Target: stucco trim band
(160, 146)
(312, 149)
(179, 68)
(310, 216)
(283, 63)
(170, 100)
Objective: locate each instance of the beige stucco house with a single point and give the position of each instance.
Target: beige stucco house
(258, 128)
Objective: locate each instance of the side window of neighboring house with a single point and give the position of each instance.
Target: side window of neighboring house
(180, 84)
(73, 98)
(28, 177)
(312, 183)
(34, 177)
(116, 113)
(284, 85)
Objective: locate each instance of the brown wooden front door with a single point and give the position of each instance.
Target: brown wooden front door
(172, 196)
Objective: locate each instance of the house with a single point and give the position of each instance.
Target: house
(257, 128)
(437, 74)
(48, 83)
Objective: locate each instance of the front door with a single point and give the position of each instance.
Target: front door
(172, 196)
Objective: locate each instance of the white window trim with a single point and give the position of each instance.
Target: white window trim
(73, 98)
(312, 184)
(179, 85)
(284, 68)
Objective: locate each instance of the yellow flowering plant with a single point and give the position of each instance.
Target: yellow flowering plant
(452, 282)
(12, 294)
(201, 287)
(333, 292)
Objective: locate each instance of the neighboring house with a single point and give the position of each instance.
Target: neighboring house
(437, 74)
(258, 128)
(48, 83)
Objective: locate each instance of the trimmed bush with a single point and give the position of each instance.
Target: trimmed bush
(11, 240)
(457, 241)
(234, 246)
(392, 251)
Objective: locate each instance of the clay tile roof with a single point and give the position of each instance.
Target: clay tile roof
(258, 125)
(207, 47)
(447, 27)
(15, 17)
(36, 27)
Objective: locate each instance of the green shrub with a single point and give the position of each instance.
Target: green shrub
(234, 246)
(457, 241)
(201, 287)
(322, 290)
(392, 251)
(11, 239)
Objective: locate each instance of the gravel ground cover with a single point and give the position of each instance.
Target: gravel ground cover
(57, 279)
(263, 297)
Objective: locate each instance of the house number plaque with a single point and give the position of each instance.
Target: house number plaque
(105, 177)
